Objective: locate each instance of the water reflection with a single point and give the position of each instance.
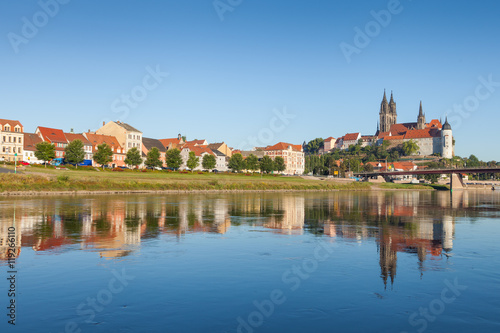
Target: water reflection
(417, 223)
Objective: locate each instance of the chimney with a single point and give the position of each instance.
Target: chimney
(103, 123)
(71, 131)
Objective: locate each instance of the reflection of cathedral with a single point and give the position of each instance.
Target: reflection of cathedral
(402, 226)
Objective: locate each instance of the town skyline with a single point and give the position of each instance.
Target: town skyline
(223, 76)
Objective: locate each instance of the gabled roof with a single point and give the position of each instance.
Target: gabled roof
(30, 141)
(434, 123)
(127, 127)
(351, 136)
(12, 123)
(97, 139)
(52, 135)
(284, 146)
(216, 145)
(150, 143)
(167, 142)
(199, 150)
(329, 139)
(72, 136)
(196, 142)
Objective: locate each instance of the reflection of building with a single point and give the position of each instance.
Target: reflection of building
(403, 223)
(291, 219)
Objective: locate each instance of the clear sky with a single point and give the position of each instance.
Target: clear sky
(252, 71)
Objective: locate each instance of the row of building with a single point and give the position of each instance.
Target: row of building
(121, 137)
(432, 138)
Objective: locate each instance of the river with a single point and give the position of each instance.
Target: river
(389, 261)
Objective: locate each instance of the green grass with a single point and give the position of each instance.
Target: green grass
(50, 179)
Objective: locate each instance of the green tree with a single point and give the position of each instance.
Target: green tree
(314, 146)
(173, 158)
(208, 162)
(193, 161)
(410, 147)
(236, 162)
(153, 158)
(252, 162)
(266, 164)
(103, 155)
(74, 152)
(45, 151)
(279, 164)
(133, 157)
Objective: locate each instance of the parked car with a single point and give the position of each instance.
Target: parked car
(23, 163)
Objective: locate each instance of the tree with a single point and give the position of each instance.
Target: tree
(153, 158)
(410, 147)
(74, 152)
(192, 161)
(236, 162)
(45, 151)
(368, 167)
(266, 164)
(208, 162)
(173, 158)
(133, 157)
(103, 155)
(313, 146)
(252, 162)
(279, 164)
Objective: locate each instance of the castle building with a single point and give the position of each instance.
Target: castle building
(431, 138)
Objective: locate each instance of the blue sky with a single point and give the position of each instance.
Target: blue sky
(229, 78)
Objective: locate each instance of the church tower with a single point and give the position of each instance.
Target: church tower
(421, 118)
(388, 114)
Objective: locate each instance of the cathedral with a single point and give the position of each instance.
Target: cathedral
(431, 138)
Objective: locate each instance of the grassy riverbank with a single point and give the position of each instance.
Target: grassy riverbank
(75, 180)
(52, 180)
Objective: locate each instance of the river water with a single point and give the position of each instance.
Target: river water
(403, 261)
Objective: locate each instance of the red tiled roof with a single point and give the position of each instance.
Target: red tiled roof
(284, 146)
(401, 129)
(351, 136)
(397, 137)
(12, 123)
(423, 133)
(172, 141)
(198, 150)
(52, 135)
(434, 123)
(330, 139)
(30, 141)
(97, 139)
(72, 136)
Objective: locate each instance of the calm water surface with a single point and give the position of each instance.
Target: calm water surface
(301, 262)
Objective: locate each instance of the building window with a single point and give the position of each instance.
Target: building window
(19, 150)
(19, 140)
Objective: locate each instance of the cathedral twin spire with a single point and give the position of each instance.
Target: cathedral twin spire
(388, 114)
